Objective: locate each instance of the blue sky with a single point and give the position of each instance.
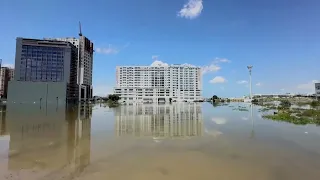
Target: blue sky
(280, 38)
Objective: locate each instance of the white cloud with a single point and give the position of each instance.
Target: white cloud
(111, 49)
(218, 79)
(107, 50)
(210, 68)
(308, 87)
(191, 10)
(214, 133)
(155, 57)
(245, 118)
(7, 65)
(188, 65)
(222, 60)
(242, 82)
(159, 63)
(219, 121)
(259, 84)
(214, 66)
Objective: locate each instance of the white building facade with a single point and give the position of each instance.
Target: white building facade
(158, 83)
(317, 90)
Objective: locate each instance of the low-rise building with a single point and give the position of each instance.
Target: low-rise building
(11, 74)
(6, 75)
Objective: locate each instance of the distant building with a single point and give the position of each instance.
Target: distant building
(85, 63)
(3, 122)
(317, 90)
(6, 75)
(45, 72)
(158, 82)
(11, 74)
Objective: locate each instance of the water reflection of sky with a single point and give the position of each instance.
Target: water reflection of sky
(250, 124)
(85, 134)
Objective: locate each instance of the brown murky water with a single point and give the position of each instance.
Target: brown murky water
(179, 141)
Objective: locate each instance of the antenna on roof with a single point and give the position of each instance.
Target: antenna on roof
(80, 33)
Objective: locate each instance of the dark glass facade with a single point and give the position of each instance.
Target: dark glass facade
(39, 63)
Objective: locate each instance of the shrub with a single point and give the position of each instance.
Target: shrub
(285, 104)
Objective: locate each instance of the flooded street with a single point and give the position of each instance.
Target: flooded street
(143, 142)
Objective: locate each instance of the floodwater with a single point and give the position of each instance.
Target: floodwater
(143, 142)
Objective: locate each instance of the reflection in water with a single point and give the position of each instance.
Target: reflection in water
(3, 123)
(160, 121)
(63, 144)
(219, 120)
(252, 120)
(49, 138)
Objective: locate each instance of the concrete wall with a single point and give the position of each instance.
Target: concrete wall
(32, 92)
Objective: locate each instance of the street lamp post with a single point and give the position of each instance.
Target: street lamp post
(250, 83)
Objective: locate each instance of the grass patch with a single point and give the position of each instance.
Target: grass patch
(296, 116)
(310, 113)
(287, 117)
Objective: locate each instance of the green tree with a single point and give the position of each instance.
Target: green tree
(214, 97)
(113, 97)
(314, 104)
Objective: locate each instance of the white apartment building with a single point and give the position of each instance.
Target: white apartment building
(158, 83)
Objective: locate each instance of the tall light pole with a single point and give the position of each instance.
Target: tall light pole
(250, 70)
